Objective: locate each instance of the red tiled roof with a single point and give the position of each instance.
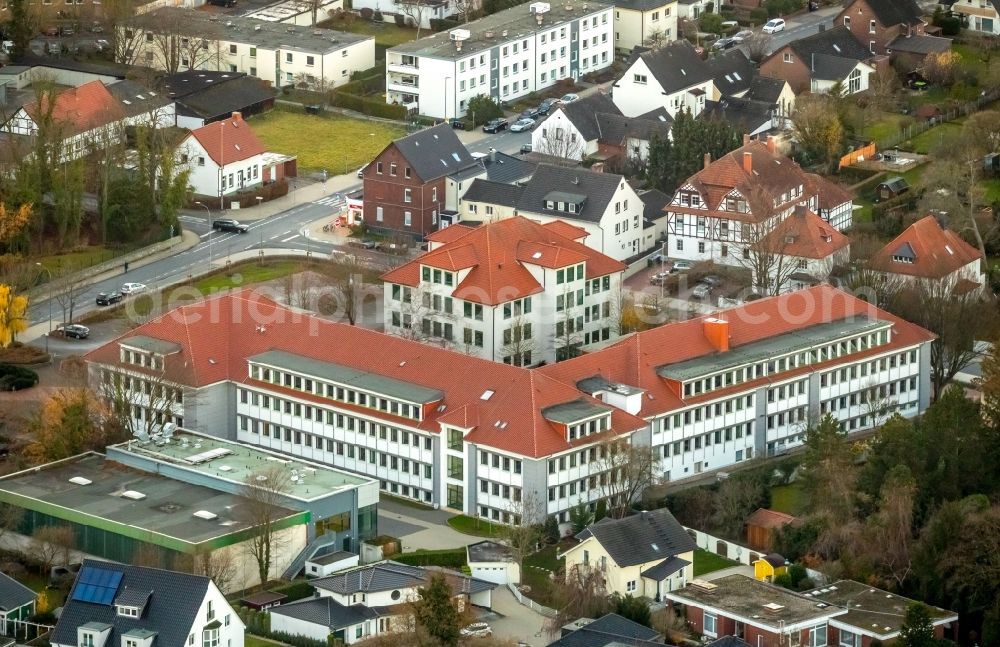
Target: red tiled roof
(634, 360)
(829, 194)
(936, 251)
(496, 255)
(770, 170)
(449, 233)
(82, 108)
(765, 518)
(806, 235)
(567, 230)
(228, 141)
(218, 334)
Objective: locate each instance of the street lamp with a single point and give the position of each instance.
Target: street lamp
(49, 272)
(209, 212)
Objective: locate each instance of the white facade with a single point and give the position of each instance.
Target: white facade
(505, 56)
(982, 15)
(502, 573)
(323, 567)
(856, 81)
(207, 178)
(635, 27)
(638, 92)
(558, 136)
(816, 268)
(426, 12)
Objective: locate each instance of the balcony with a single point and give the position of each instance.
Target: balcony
(402, 64)
(402, 82)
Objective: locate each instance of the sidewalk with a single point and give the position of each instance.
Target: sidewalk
(306, 191)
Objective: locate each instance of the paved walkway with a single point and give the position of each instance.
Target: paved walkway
(742, 569)
(513, 621)
(420, 530)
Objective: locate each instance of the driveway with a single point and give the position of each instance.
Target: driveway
(418, 528)
(742, 569)
(513, 621)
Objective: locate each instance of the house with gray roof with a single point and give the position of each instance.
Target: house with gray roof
(493, 167)
(611, 630)
(647, 554)
(204, 96)
(117, 605)
(370, 600)
(818, 62)
(17, 602)
(673, 77)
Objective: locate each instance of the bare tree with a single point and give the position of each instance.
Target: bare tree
(764, 243)
(758, 46)
(657, 38)
(892, 527)
(51, 545)
(583, 594)
(10, 519)
(415, 11)
(265, 490)
(876, 402)
(737, 497)
(568, 327)
(467, 7)
(625, 470)
(524, 532)
(219, 566)
(158, 393)
(67, 290)
(559, 142)
(347, 274)
(518, 343)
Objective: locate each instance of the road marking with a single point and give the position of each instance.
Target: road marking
(330, 200)
(207, 233)
(290, 238)
(191, 219)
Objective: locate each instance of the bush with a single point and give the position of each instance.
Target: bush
(371, 107)
(449, 558)
(758, 16)
(367, 13)
(484, 108)
(710, 23)
(296, 590)
(15, 378)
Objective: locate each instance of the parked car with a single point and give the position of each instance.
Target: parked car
(530, 113)
(361, 171)
(522, 125)
(132, 288)
(457, 123)
(569, 98)
(742, 35)
(495, 125)
(364, 244)
(711, 280)
(101, 44)
(67, 31)
(76, 331)
(476, 630)
(228, 224)
(546, 106)
(108, 298)
(680, 266)
(723, 43)
(774, 25)
(525, 148)
(701, 291)
(53, 48)
(658, 278)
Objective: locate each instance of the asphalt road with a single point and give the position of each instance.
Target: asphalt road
(280, 231)
(805, 25)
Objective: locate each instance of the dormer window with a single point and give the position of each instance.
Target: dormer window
(903, 259)
(87, 639)
(128, 612)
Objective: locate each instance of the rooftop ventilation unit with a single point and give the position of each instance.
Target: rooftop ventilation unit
(133, 495)
(459, 36)
(773, 607)
(704, 585)
(79, 480)
(205, 514)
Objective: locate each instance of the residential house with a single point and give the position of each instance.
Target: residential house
(506, 56)
(754, 118)
(426, 12)
(673, 77)
(494, 166)
(486, 201)
(910, 52)
(226, 157)
(492, 562)
(834, 203)
(818, 62)
(595, 127)
(980, 15)
(330, 563)
(17, 602)
(692, 9)
(114, 604)
(800, 251)
(447, 429)
(143, 106)
(644, 22)
(874, 615)
(732, 73)
(495, 290)
(262, 600)
(711, 216)
(644, 555)
(761, 526)
(405, 185)
(204, 96)
(370, 601)
(877, 23)
(611, 630)
(930, 255)
(774, 92)
(174, 39)
(82, 117)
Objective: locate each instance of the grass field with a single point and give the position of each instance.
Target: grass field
(536, 574)
(79, 259)
(333, 142)
(789, 499)
(470, 526)
(933, 139)
(386, 35)
(257, 641)
(706, 562)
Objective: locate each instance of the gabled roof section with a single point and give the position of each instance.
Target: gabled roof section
(229, 141)
(80, 109)
(497, 255)
(805, 235)
(583, 113)
(499, 167)
(13, 594)
(326, 612)
(766, 518)
(390, 575)
(766, 89)
(171, 609)
(829, 194)
(676, 66)
(749, 115)
(894, 12)
(434, 152)
(498, 193)
(932, 251)
(922, 44)
(137, 99)
(599, 189)
(210, 95)
(732, 71)
(607, 631)
(641, 538)
(839, 42)
(615, 129)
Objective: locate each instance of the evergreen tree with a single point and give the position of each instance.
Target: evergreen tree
(917, 630)
(436, 613)
(673, 160)
(635, 609)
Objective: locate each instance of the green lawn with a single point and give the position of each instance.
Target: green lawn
(256, 641)
(328, 141)
(933, 139)
(886, 125)
(789, 499)
(539, 579)
(546, 558)
(471, 526)
(246, 274)
(76, 260)
(706, 562)
(386, 34)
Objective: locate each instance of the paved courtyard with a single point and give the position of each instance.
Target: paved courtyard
(418, 528)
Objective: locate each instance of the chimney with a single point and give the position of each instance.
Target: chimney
(717, 333)
(748, 161)
(597, 167)
(746, 138)
(237, 116)
(493, 154)
(772, 144)
(800, 210)
(708, 159)
(822, 28)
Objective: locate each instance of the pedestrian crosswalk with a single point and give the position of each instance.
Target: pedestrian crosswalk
(330, 200)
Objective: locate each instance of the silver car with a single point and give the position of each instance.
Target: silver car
(522, 124)
(701, 291)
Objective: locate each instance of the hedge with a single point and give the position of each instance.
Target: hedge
(15, 378)
(296, 590)
(371, 107)
(449, 558)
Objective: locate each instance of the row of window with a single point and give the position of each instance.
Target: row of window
(717, 437)
(333, 392)
(595, 426)
(622, 227)
(601, 334)
(678, 420)
(157, 393)
(141, 359)
(486, 512)
(872, 367)
(509, 492)
(496, 461)
(240, 178)
(581, 457)
(792, 416)
(570, 274)
(874, 398)
(791, 390)
(434, 275)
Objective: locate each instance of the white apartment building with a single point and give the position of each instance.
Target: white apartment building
(480, 437)
(504, 56)
(644, 23)
(512, 290)
(282, 54)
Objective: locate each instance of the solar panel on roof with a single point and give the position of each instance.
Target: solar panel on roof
(96, 585)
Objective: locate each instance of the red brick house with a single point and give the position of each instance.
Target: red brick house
(404, 186)
(814, 63)
(878, 22)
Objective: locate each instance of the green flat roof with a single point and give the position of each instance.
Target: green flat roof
(236, 462)
(769, 348)
(569, 412)
(163, 516)
(151, 344)
(139, 633)
(352, 377)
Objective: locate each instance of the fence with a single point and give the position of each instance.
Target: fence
(531, 604)
(914, 129)
(855, 156)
